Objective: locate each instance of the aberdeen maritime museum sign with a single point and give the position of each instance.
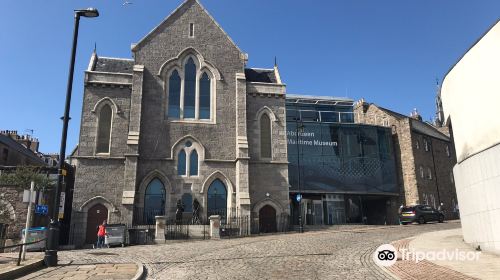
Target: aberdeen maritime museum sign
(303, 139)
(341, 158)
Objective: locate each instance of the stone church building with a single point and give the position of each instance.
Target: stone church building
(184, 120)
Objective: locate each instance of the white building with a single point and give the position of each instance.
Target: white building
(470, 96)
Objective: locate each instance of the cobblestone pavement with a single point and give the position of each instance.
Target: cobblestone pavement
(124, 271)
(331, 254)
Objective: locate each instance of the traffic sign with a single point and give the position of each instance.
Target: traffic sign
(298, 197)
(42, 209)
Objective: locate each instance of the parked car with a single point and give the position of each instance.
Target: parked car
(420, 214)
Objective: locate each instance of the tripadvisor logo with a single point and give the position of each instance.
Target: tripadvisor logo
(385, 255)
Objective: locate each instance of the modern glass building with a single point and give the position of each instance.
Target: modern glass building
(344, 172)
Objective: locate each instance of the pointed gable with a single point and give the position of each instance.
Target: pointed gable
(175, 15)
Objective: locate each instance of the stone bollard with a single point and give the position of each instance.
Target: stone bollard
(214, 226)
(160, 228)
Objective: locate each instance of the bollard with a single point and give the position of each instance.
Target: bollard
(52, 245)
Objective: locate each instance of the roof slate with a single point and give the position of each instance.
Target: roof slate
(13, 144)
(428, 129)
(114, 65)
(418, 126)
(260, 75)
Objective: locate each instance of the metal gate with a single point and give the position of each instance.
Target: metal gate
(235, 227)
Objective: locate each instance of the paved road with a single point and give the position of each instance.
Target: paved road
(329, 254)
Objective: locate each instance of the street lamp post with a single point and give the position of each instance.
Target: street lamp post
(297, 130)
(53, 234)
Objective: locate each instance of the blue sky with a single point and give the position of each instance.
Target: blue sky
(388, 51)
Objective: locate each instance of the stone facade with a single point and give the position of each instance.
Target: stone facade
(14, 210)
(424, 157)
(146, 143)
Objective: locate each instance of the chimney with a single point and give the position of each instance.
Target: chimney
(362, 103)
(415, 115)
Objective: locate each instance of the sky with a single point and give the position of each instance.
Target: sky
(389, 52)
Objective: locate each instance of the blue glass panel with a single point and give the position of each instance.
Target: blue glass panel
(205, 97)
(189, 89)
(174, 95)
(343, 158)
(181, 164)
(193, 163)
(330, 117)
(187, 200)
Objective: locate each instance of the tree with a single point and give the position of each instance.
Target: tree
(22, 177)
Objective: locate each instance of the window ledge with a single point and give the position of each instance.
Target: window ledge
(192, 121)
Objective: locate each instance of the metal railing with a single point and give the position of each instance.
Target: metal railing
(21, 248)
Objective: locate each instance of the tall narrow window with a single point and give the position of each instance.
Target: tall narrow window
(265, 136)
(189, 89)
(104, 129)
(193, 163)
(174, 95)
(429, 173)
(205, 97)
(191, 30)
(181, 163)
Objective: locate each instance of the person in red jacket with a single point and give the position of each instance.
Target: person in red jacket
(101, 234)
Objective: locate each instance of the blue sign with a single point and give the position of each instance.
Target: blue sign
(42, 209)
(298, 197)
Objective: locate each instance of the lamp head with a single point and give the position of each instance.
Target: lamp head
(89, 12)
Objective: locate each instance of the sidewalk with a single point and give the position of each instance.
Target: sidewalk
(9, 268)
(486, 267)
(122, 271)
(66, 269)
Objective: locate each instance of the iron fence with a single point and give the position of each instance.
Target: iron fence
(146, 216)
(236, 226)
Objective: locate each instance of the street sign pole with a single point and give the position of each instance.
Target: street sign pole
(28, 219)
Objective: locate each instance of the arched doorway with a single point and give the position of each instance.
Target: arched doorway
(217, 199)
(267, 219)
(95, 216)
(154, 201)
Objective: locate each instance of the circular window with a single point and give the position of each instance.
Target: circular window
(189, 144)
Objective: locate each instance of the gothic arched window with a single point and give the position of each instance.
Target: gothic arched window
(193, 163)
(104, 130)
(188, 160)
(181, 163)
(217, 199)
(154, 201)
(190, 91)
(265, 136)
(174, 95)
(205, 97)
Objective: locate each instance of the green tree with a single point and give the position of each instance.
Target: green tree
(22, 177)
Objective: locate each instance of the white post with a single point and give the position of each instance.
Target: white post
(28, 219)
